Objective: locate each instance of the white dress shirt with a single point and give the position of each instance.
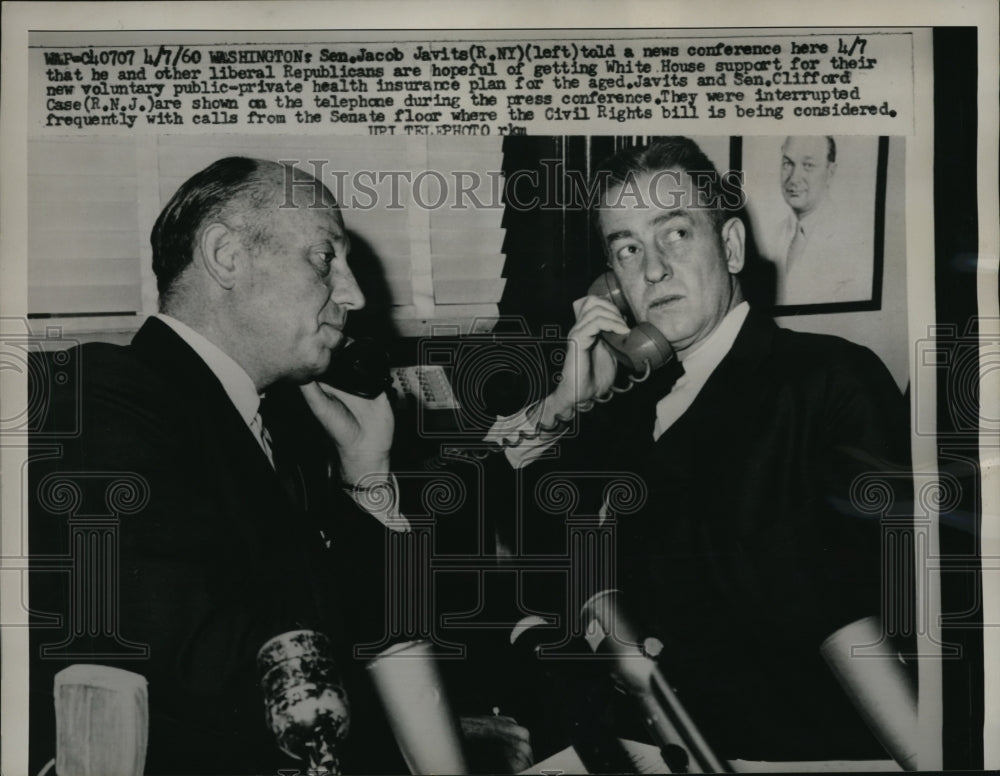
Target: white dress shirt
(835, 262)
(698, 367)
(241, 391)
(235, 381)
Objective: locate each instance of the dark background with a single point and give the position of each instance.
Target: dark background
(956, 246)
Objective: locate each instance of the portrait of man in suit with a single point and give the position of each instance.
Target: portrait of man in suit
(821, 261)
(812, 201)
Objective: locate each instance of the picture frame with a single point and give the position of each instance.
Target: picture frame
(839, 265)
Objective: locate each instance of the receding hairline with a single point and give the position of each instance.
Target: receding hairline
(303, 188)
(253, 213)
(277, 188)
(827, 140)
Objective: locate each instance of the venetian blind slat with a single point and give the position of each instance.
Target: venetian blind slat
(83, 234)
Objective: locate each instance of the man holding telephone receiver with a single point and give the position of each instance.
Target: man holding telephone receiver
(264, 495)
(215, 407)
(747, 549)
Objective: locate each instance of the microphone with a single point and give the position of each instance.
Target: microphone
(610, 632)
(306, 705)
(410, 686)
(102, 721)
(878, 686)
(568, 698)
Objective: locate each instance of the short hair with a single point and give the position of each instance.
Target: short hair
(226, 189)
(831, 150)
(675, 152)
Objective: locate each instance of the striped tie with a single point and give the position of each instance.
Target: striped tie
(263, 437)
(796, 247)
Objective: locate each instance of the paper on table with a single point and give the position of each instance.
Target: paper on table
(816, 766)
(644, 757)
(647, 759)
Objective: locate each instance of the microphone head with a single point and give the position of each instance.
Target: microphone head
(603, 620)
(867, 666)
(410, 686)
(102, 721)
(306, 706)
(609, 632)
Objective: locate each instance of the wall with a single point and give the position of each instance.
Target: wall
(885, 330)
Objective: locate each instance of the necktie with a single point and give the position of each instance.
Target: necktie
(796, 246)
(280, 451)
(631, 419)
(672, 406)
(263, 437)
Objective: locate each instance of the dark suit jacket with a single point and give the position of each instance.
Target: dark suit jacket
(214, 556)
(747, 549)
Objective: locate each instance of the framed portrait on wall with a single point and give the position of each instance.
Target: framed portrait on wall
(816, 206)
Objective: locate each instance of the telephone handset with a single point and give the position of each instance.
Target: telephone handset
(641, 351)
(360, 367)
(645, 344)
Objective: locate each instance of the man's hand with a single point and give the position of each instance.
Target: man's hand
(360, 428)
(589, 368)
(496, 745)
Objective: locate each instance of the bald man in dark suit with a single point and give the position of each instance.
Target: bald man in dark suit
(237, 530)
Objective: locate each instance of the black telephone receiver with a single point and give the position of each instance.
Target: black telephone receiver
(644, 344)
(360, 367)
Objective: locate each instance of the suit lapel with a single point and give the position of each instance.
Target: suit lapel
(726, 392)
(700, 448)
(220, 439)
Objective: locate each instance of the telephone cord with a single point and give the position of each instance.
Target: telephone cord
(559, 422)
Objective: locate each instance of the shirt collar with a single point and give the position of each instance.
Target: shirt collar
(235, 381)
(809, 219)
(703, 361)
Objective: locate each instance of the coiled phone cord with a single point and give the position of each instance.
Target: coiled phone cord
(560, 422)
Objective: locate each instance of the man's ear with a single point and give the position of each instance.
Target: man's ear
(734, 243)
(220, 249)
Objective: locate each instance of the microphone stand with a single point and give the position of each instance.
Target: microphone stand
(610, 633)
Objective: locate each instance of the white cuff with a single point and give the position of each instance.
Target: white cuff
(378, 495)
(522, 453)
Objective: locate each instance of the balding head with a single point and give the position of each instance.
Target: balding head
(240, 192)
(253, 255)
